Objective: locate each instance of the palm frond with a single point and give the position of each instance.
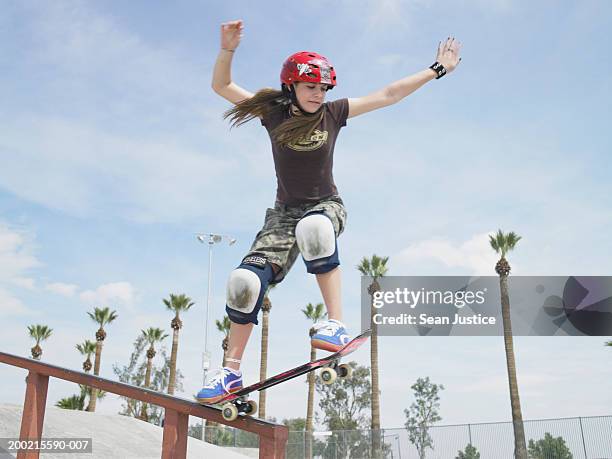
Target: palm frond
(154, 335)
(103, 316)
(314, 313)
(375, 266)
(503, 243)
(178, 303)
(86, 348)
(39, 332)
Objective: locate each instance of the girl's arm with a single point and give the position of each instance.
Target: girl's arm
(448, 56)
(222, 84)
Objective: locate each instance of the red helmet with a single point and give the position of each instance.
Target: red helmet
(308, 67)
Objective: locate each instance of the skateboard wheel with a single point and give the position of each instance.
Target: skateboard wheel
(251, 407)
(345, 371)
(328, 375)
(229, 412)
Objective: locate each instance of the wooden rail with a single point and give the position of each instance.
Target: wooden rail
(272, 437)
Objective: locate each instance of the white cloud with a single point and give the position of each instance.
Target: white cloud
(16, 261)
(87, 169)
(474, 254)
(393, 15)
(16, 256)
(110, 294)
(24, 282)
(11, 305)
(62, 289)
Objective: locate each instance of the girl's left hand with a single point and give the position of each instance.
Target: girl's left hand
(448, 54)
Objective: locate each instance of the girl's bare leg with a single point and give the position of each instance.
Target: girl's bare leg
(330, 286)
(238, 338)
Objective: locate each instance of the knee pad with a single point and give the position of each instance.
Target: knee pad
(316, 239)
(246, 288)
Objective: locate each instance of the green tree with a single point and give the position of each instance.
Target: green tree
(470, 453)
(134, 373)
(213, 431)
(226, 436)
(344, 406)
(224, 327)
(102, 316)
(152, 335)
(549, 447)
(503, 243)
(39, 333)
(314, 313)
(75, 402)
(296, 441)
(422, 414)
(375, 267)
(177, 304)
(266, 307)
(87, 348)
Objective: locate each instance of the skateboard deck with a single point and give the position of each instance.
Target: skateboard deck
(327, 361)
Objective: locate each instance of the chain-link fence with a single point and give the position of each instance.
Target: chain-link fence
(583, 437)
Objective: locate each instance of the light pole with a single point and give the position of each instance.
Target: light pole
(211, 239)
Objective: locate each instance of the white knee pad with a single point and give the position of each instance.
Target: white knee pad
(246, 288)
(315, 237)
(243, 289)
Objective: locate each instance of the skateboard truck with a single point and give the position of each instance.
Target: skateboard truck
(329, 374)
(241, 405)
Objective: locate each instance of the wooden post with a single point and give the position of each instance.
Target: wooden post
(33, 411)
(174, 444)
(273, 447)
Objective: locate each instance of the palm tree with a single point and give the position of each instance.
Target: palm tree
(314, 313)
(224, 327)
(101, 316)
(76, 402)
(151, 335)
(39, 333)
(375, 268)
(176, 303)
(504, 243)
(87, 348)
(266, 306)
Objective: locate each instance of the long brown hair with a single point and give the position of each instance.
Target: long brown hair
(267, 102)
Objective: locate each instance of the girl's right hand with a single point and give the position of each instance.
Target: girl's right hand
(231, 33)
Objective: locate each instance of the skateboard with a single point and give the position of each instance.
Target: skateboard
(238, 403)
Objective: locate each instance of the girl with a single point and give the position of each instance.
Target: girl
(308, 214)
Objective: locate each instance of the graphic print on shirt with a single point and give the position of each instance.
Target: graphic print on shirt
(317, 139)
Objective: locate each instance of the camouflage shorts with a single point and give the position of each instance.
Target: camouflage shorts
(276, 240)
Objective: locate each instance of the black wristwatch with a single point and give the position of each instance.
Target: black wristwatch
(439, 69)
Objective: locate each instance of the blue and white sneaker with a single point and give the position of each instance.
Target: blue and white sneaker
(330, 335)
(224, 382)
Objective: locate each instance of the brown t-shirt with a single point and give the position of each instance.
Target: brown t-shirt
(304, 170)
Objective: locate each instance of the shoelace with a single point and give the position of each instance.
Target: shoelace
(218, 377)
(332, 326)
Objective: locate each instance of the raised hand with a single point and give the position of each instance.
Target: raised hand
(231, 33)
(448, 53)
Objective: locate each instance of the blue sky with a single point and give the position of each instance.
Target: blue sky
(114, 153)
